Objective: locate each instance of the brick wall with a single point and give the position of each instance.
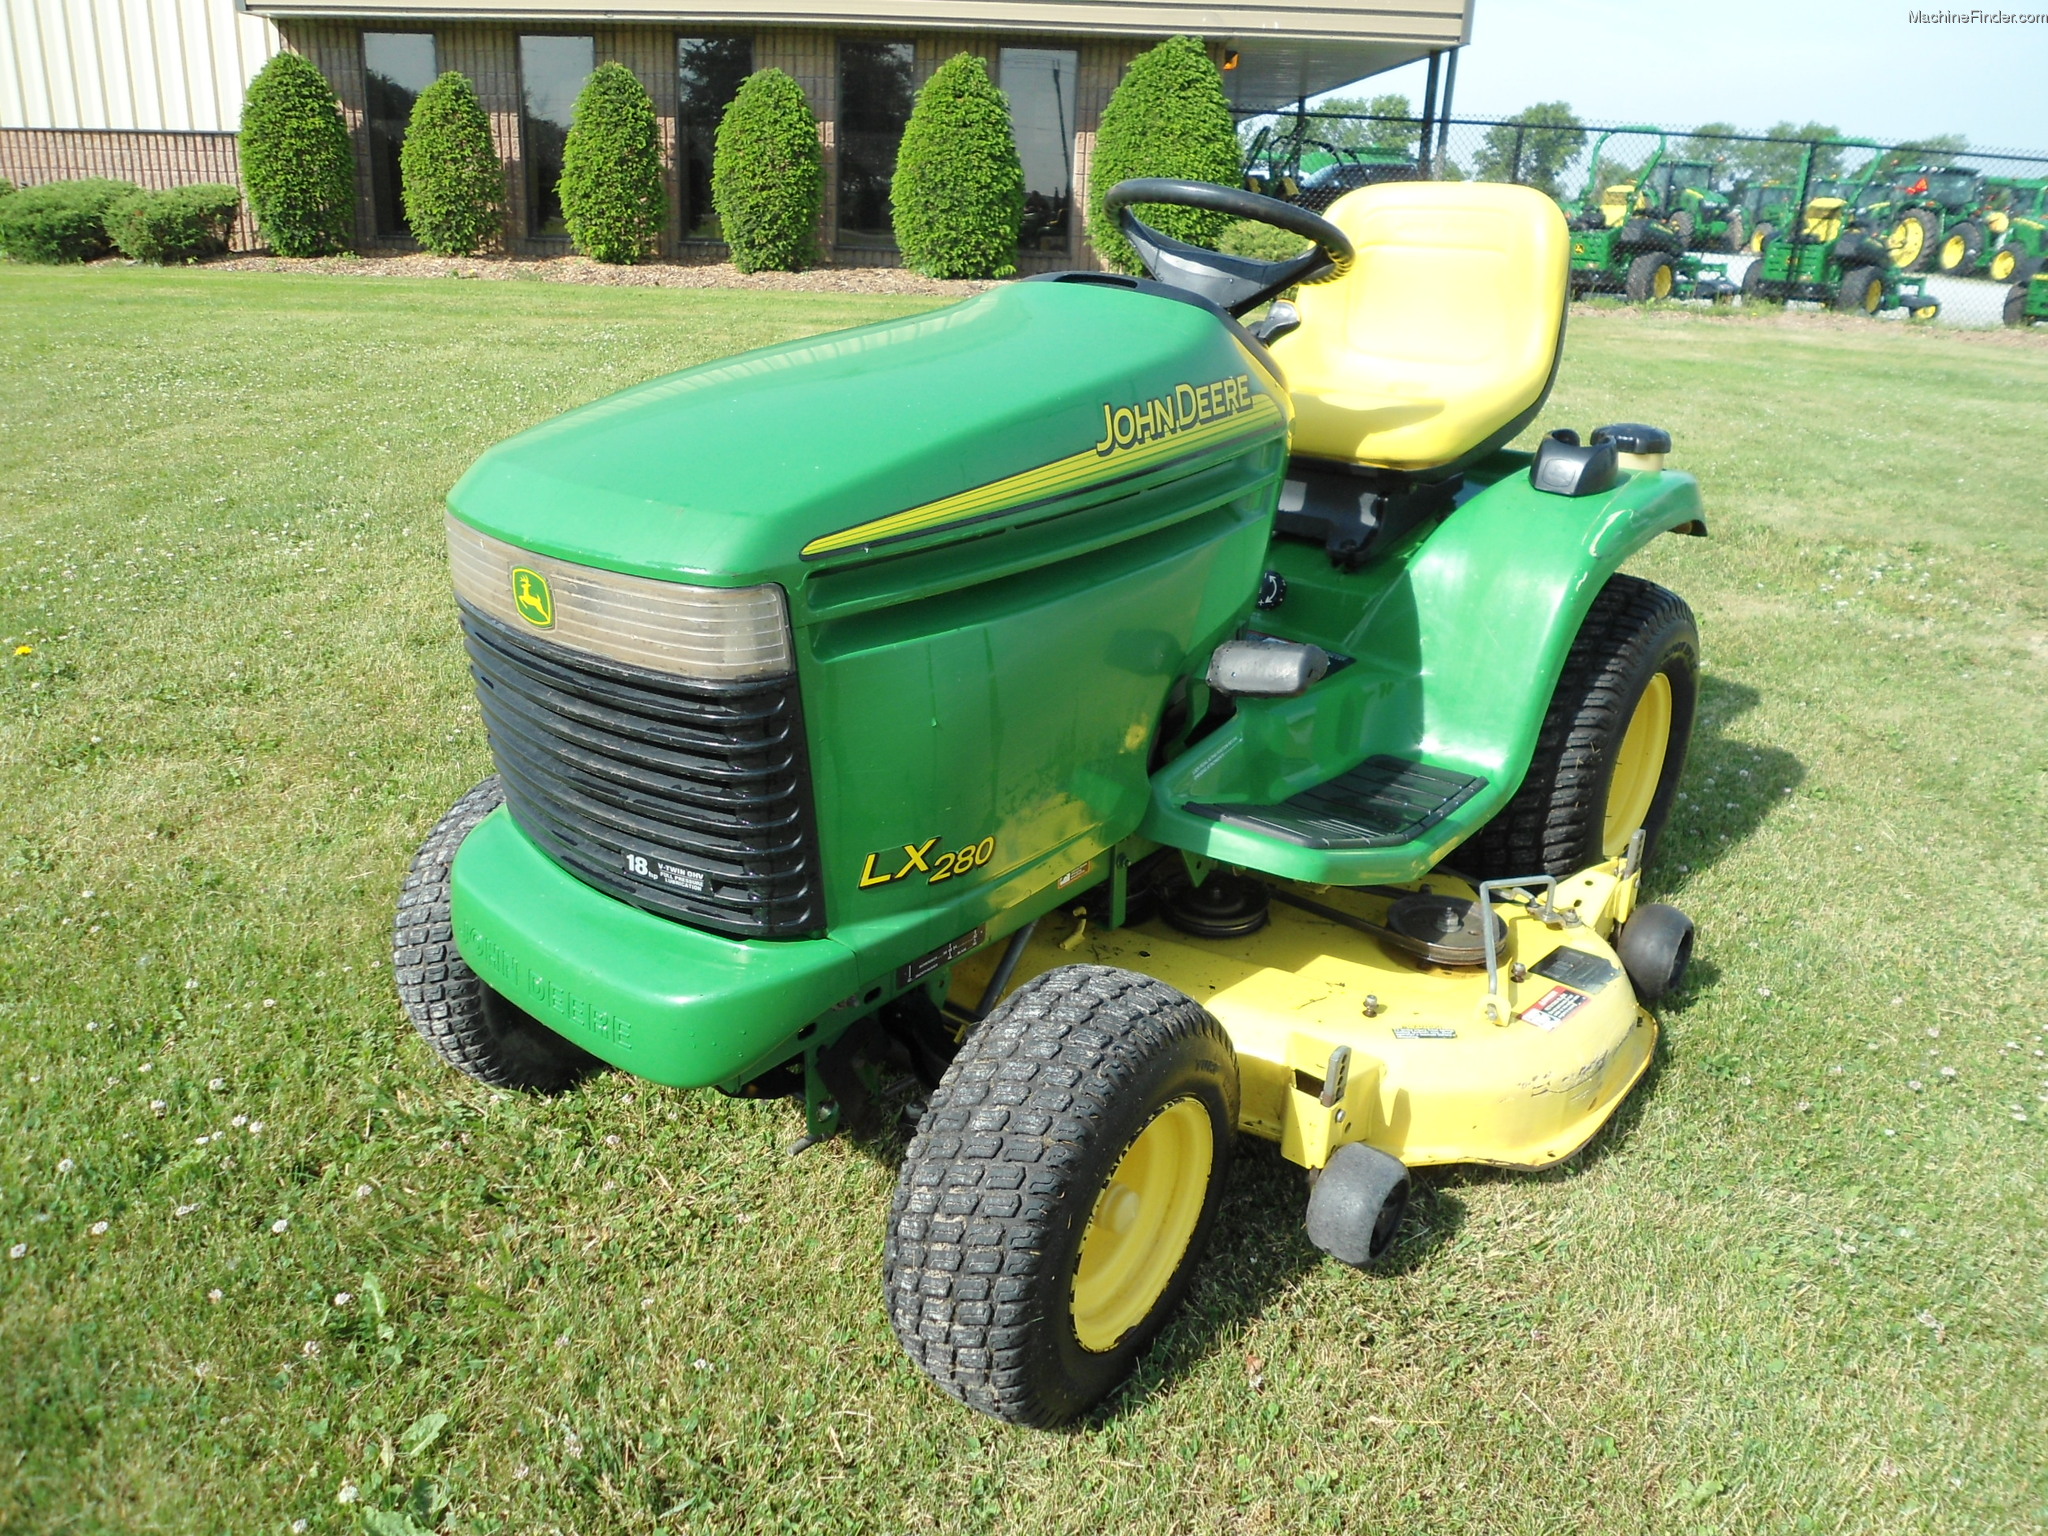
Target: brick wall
(154, 160)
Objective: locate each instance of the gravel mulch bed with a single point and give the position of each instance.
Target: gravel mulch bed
(581, 269)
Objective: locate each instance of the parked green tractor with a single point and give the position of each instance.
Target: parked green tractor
(2027, 303)
(1937, 220)
(1831, 254)
(1620, 243)
(1087, 729)
(2019, 228)
(1765, 206)
(1687, 195)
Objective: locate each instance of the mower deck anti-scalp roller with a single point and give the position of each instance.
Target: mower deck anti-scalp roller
(1104, 726)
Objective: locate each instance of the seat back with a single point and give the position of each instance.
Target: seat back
(1618, 202)
(1824, 217)
(1440, 342)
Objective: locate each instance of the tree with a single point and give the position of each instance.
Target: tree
(449, 171)
(1709, 143)
(1385, 124)
(1533, 147)
(1167, 117)
(1779, 159)
(613, 200)
(957, 198)
(767, 178)
(1941, 149)
(296, 160)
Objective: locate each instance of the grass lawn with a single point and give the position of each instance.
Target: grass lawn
(1798, 1285)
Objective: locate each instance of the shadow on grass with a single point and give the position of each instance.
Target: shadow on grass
(1730, 786)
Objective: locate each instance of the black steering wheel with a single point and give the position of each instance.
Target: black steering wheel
(1236, 284)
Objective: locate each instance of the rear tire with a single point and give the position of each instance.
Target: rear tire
(472, 1027)
(1913, 239)
(1685, 226)
(1649, 277)
(1861, 291)
(1558, 821)
(1753, 283)
(1737, 234)
(2016, 304)
(1961, 249)
(1059, 1192)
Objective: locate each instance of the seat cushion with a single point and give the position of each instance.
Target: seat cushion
(1444, 331)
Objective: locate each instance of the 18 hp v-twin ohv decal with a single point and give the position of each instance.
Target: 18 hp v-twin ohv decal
(1187, 419)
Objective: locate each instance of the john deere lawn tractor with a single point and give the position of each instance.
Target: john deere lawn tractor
(1688, 196)
(1099, 730)
(1833, 256)
(1623, 243)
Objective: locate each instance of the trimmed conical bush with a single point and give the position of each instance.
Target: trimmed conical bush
(958, 193)
(1167, 117)
(612, 195)
(296, 161)
(454, 186)
(767, 177)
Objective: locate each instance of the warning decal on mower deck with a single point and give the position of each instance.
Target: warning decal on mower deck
(1558, 1004)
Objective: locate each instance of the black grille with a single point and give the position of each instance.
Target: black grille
(687, 798)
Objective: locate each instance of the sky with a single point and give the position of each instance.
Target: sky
(1859, 65)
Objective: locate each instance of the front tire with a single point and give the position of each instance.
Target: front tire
(470, 1026)
(1861, 291)
(1612, 746)
(2016, 304)
(1059, 1192)
(1962, 249)
(1913, 239)
(1649, 277)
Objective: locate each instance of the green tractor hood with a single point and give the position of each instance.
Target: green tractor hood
(746, 469)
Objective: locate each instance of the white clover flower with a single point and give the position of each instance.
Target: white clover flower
(185, 1210)
(1763, 991)
(255, 1127)
(611, 1141)
(278, 1226)
(214, 1295)
(298, 1528)
(1948, 1071)
(157, 1106)
(218, 1084)
(1915, 1084)
(362, 1191)
(270, 1002)
(310, 1348)
(348, 1495)
(99, 1229)
(343, 1298)
(18, 1251)
(65, 1165)
(239, 1121)
(191, 983)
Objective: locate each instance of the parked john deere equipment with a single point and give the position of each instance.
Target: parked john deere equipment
(1937, 220)
(1688, 196)
(1621, 244)
(2019, 228)
(2027, 303)
(1832, 255)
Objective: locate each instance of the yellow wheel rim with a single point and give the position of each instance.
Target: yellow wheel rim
(1906, 242)
(1873, 297)
(1661, 284)
(1925, 312)
(1141, 1225)
(2002, 265)
(1638, 766)
(1756, 241)
(1952, 251)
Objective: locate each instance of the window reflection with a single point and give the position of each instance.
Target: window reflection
(1040, 85)
(397, 66)
(709, 71)
(875, 95)
(552, 71)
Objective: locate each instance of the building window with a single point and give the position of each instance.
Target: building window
(708, 74)
(875, 94)
(1040, 85)
(552, 71)
(397, 66)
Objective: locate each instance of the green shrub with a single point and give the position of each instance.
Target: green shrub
(957, 197)
(612, 196)
(296, 160)
(1261, 242)
(1168, 117)
(767, 177)
(179, 225)
(448, 170)
(60, 220)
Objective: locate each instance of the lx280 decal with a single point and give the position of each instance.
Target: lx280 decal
(919, 859)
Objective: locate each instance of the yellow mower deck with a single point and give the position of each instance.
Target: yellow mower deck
(1431, 1076)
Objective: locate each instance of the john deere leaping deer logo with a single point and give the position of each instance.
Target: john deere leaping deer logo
(530, 595)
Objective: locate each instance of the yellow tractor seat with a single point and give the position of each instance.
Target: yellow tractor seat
(1824, 218)
(1618, 202)
(1440, 342)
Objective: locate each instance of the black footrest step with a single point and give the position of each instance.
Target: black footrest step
(1382, 803)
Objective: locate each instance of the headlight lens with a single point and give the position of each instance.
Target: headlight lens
(720, 634)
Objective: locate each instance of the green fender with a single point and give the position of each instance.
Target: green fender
(1457, 642)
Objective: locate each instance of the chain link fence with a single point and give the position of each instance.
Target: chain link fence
(1993, 200)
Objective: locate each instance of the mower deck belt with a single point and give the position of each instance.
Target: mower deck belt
(1382, 803)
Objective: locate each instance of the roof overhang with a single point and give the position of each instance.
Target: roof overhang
(1286, 48)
